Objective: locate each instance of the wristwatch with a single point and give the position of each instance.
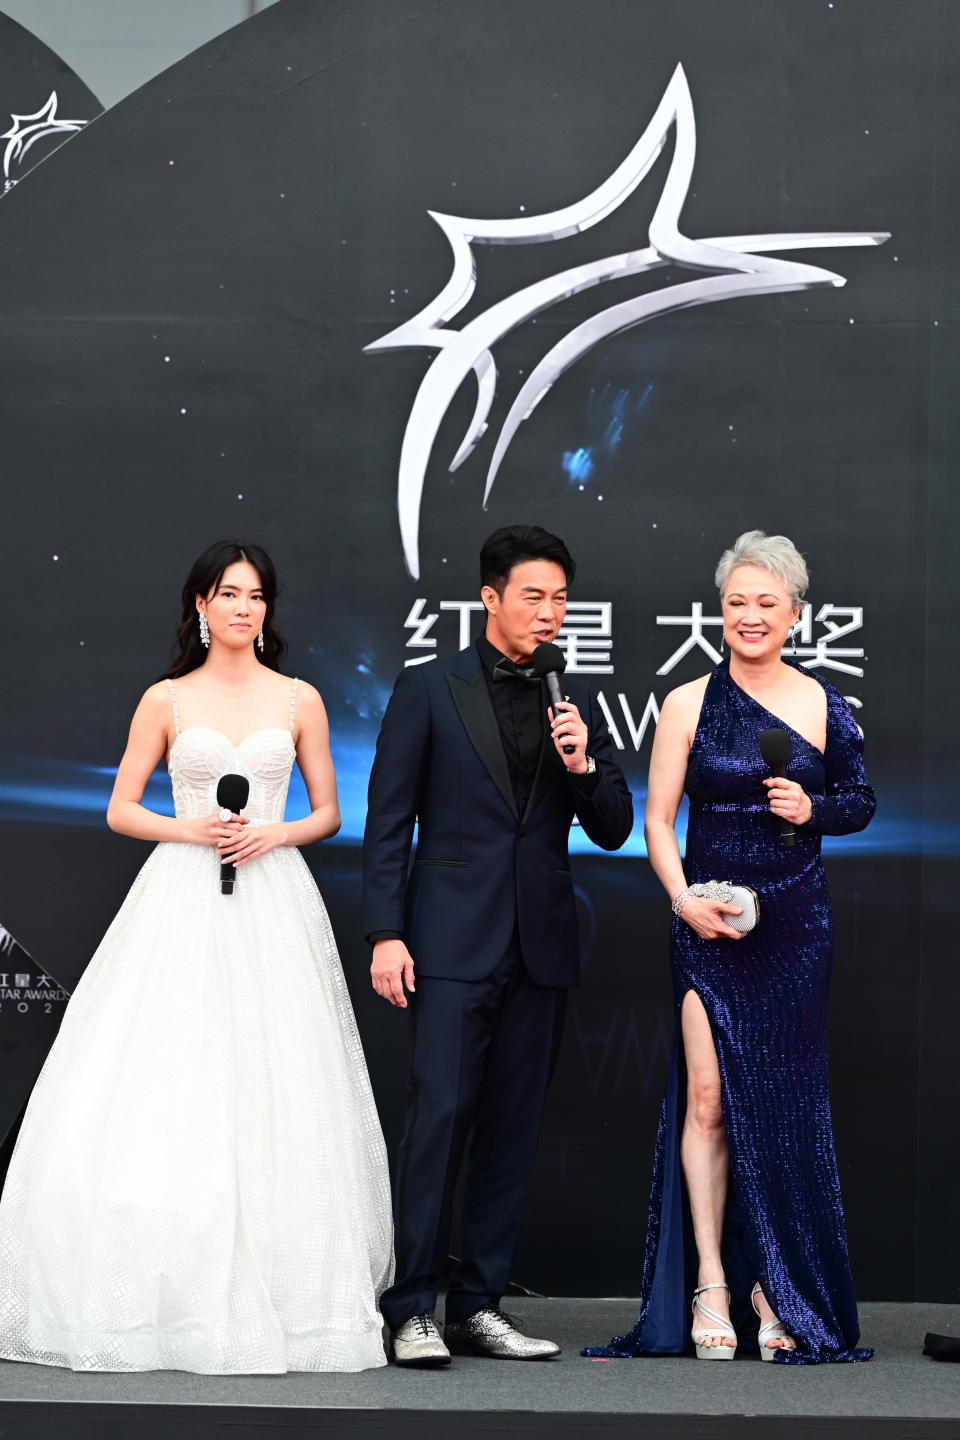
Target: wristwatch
(591, 766)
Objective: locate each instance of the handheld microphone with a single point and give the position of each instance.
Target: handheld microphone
(548, 662)
(776, 747)
(233, 792)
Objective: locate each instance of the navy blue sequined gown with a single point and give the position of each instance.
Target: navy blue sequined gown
(766, 997)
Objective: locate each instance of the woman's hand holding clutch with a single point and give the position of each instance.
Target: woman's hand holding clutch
(706, 917)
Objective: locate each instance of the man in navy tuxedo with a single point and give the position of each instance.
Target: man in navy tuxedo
(480, 936)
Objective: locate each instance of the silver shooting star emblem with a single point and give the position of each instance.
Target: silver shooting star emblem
(26, 130)
(741, 272)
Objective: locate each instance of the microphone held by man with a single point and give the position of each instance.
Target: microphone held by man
(549, 662)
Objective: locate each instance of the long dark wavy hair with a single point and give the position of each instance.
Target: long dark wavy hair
(187, 651)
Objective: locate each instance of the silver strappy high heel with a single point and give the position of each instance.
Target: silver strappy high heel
(773, 1330)
(722, 1327)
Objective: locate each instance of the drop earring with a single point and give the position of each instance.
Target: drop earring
(260, 640)
(204, 630)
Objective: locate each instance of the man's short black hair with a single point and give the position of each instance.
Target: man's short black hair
(512, 545)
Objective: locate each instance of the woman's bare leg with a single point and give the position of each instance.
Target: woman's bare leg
(703, 1151)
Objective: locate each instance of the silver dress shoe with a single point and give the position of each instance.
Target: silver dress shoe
(418, 1342)
(490, 1332)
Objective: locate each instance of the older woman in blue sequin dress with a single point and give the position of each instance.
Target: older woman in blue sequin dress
(745, 1199)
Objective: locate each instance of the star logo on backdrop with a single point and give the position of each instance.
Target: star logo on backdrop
(26, 130)
(743, 266)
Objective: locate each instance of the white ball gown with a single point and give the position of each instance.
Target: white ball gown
(200, 1181)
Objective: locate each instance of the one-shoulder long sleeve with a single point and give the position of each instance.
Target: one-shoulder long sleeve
(848, 802)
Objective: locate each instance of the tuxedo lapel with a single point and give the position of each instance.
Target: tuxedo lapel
(468, 689)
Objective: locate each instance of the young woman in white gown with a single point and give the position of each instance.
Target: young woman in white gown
(200, 1180)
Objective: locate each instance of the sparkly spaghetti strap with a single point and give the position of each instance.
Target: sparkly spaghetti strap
(176, 709)
(293, 701)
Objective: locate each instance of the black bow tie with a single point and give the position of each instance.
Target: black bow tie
(507, 670)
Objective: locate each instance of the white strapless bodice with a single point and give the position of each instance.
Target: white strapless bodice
(200, 756)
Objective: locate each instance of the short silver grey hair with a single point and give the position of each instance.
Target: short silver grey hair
(774, 553)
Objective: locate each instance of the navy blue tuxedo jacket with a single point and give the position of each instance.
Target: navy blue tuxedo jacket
(480, 867)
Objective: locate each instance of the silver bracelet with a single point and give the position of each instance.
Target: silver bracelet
(678, 901)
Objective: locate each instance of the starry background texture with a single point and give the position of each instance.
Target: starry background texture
(187, 287)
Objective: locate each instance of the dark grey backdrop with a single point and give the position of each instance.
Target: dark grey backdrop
(187, 288)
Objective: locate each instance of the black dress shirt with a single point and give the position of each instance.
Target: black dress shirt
(519, 704)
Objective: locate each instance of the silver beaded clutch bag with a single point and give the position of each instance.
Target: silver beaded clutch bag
(728, 894)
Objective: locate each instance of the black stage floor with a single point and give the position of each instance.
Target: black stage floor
(899, 1395)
